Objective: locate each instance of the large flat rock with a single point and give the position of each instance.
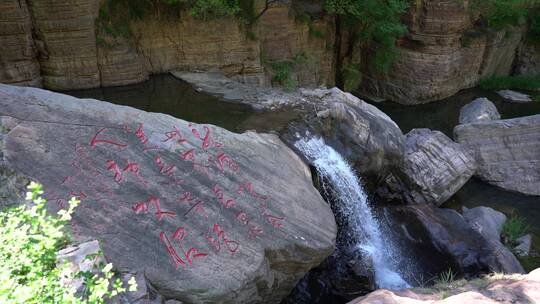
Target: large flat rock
(507, 152)
(205, 215)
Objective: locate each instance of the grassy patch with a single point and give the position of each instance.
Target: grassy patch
(530, 83)
(514, 228)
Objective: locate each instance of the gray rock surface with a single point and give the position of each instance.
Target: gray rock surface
(480, 109)
(202, 214)
(369, 139)
(514, 96)
(84, 257)
(449, 235)
(485, 220)
(433, 169)
(507, 152)
(524, 247)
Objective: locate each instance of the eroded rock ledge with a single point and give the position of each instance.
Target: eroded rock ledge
(195, 212)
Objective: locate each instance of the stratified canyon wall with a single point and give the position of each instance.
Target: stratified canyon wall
(18, 62)
(58, 41)
(58, 45)
(442, 54)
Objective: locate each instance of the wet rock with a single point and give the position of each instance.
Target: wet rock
(485, 220)
(363, 134)
(507, 152)
(206, 215)
(451, 238)
(524, 245)
(478, 110)
(433, 169)
(514, 96)
(489, 223)
(490, 289)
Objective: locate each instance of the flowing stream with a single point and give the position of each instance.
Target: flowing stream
(364, 229)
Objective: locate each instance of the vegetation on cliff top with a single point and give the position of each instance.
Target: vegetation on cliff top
(29, 241)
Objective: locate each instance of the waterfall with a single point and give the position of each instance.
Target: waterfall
(364, 230)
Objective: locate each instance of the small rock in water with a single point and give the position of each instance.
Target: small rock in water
(480, 109)
(514, 96)
(524, 247)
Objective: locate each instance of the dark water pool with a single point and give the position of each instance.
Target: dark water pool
(166, 94)
(444, 115)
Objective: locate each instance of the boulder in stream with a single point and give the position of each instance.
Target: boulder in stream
(198, 213)
(507, 152)
(480, 109)
(433, 234)
(485, 220)
(368, 138)
(433, 169)
(513, 96)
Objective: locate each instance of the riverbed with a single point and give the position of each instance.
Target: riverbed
(167, 94)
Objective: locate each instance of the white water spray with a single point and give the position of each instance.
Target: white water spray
(365, 228)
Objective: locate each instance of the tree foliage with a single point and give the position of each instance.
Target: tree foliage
(29, 241)
(378, 24)
(499, 14)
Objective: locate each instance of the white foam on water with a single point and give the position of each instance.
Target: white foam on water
(354, 205)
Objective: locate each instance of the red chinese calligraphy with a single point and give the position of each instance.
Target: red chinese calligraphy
(216, 242)
(95, 140)
(242, 217)
(141, 135)
(255, 231)
(174, 135)
(249, 187)
(143, 207)
(227, 203)
(190, 255)
(116, 170)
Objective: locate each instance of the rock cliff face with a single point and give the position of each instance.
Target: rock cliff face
(59, 41)
(441, 55)
(18, 63)
(200, 214)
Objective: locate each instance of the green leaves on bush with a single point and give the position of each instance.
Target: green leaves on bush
(514, 228)
(29, 241)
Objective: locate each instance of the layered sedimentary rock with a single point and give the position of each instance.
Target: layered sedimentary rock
(18, 63)
(285, 38)
(441, 55)
(433, 169)
(66, 41)
(195, 212)
(74, 53)
(507, 152)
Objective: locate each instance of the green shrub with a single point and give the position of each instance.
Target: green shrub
(378, 23)
(520, 82)
(499, 14)
(445, 278)
(514, 228)
(29, 241)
